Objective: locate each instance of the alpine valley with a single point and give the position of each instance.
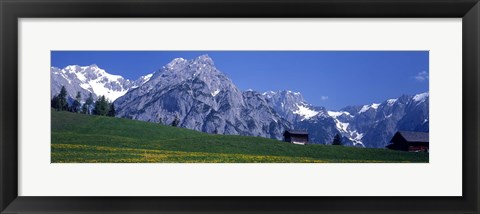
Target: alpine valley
(203, 98)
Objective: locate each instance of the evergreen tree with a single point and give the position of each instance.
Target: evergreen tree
(111, 111)
(88, 104)
(101, 106)
(337, 140)
(175, 122)
(77, 105)
(62, 99)
(59, 101)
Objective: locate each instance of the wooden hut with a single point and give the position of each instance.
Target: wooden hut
(410, 141)
(296, 137)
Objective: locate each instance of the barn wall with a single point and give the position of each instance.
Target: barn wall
(296, 138)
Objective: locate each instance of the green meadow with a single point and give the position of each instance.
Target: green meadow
(79, 138)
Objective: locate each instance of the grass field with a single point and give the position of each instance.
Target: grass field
(78, 138)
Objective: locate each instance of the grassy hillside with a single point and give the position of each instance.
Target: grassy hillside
(78, 138)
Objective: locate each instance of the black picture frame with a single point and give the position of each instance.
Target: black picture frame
(12, 10)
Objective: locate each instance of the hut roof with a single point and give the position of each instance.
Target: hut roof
(414, 136)
(296, 132)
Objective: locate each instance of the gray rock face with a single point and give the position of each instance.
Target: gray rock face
(261, 117)
(203, 98)
(91, 79)
(303, 116)
(286, 103)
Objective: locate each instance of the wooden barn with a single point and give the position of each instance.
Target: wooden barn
(296, 137)
(410, 141)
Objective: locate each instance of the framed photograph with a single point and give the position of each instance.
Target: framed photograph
(228, 106)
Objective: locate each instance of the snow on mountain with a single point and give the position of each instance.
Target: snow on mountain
(342, 126)
(356, 138)
(338, 113)
(305, 112)
(291, 105)
(370, 125)
(421, 97)
(373, 125)
(141, 80)
(342, 121)
(91, 79)
(215, 92)
(391, 101)
(368, 107)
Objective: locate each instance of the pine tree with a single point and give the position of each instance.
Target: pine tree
(59, 101)
(88, 104)
(337, 140)
(175, 122)
(111, 111)
(62, 103)
(101, 106)
(76, 106)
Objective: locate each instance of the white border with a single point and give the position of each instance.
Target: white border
(440, 177)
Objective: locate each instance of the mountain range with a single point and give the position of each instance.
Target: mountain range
(205, 99)
(91, 79)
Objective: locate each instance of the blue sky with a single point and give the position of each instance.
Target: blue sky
(333, 79)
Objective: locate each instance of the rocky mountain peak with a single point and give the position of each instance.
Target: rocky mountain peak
(204, 59)
(284, 96)
(203, 98)
(176, 64)
(93, 66)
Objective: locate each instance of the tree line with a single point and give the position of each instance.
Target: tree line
(100, 107)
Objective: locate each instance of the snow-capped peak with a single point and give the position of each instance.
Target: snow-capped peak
(140, 81)
(204, 59)
(92, 79)
(391, 101)
(268, 94)
(421, 97)
(367, 107)
(294, 93)
(147, 77)
(175, 62)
